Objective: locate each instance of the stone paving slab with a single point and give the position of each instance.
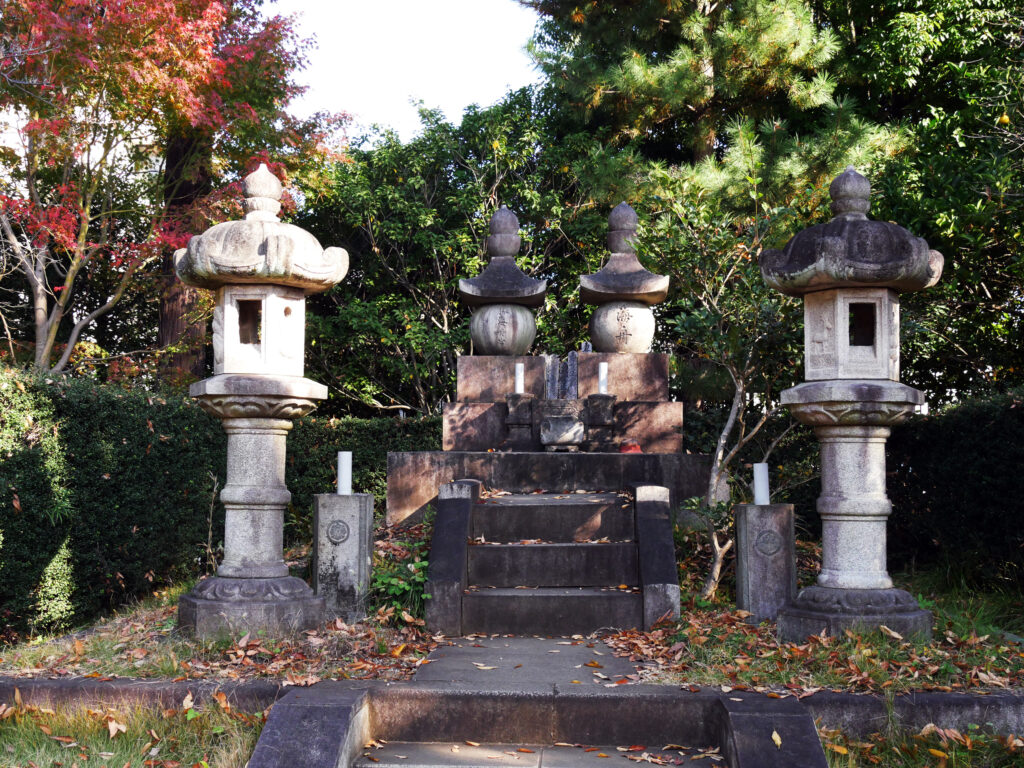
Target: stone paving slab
(466, 755)
(515, 660)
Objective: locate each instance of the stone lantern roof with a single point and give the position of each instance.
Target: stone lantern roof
(260, 249)
(502, 281)
(851, 250)
(623, 278)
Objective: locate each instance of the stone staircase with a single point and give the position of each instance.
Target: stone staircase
(550, 563)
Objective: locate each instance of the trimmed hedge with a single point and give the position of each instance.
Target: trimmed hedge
(105, 493)
(956, 480)
(313, 447)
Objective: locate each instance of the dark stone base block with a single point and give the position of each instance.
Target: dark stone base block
(834, 610)
(220, 607)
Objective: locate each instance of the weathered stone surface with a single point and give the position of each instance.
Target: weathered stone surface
(414, 477)
(853, 402)
(321, 727)
(223, 608)
(163, 693)
(473, 426)
(623, 278)
(765, 559)
(834, 610)
(260, 249)
(259, 329)
(263, 269)
(852, 333)
(599, 410)
(502, 329)
(624, 327)
(343, 552)
(488, 379)
(553, 565)
(561, 425)
(631, 378)
(501, 281)
(554, 517)
(657, 427)
(659, 574)
(520, 409)
(851, 250)
(521, 661)
(748, 725)
(550, 610)
(447, 569)
(245, 385)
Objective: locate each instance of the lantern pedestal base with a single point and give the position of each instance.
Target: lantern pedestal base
(221, 607)
(862, 610)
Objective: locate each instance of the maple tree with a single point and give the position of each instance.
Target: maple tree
(97, 181)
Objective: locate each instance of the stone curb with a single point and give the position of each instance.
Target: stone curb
(328, 722)
(856, 713)
(248, 696)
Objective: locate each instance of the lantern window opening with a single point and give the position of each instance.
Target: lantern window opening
(250, 321)
(862, 324)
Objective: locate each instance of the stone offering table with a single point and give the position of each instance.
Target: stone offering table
(261, 269)
(849, 272)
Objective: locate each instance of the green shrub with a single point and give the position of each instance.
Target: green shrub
(105, 493)
(313, 447)
(956, 480)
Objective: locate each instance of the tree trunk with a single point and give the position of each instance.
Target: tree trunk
(187, 158)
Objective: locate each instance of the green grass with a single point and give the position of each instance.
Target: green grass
(933, 746)
(214, 738)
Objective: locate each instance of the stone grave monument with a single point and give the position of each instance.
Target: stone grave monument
(623, 291)
(542, 524)
(261, 269)
(502, 295)
(849, 272)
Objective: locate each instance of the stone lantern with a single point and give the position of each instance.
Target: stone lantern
(261, 269)
(850, 272)
(502, 294)
(623, 291)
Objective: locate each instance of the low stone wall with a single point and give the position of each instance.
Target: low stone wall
(414, 477)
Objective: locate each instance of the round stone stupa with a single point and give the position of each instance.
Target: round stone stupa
(623, 291)
(502, 295)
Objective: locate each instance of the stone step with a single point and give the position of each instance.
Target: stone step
(553, 565)
(554, 517)
(464, 755)
(550, 610)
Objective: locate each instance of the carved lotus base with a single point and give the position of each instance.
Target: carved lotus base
(220, 607)
(817, 609)
(851, 402)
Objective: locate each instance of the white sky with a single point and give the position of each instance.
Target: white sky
(373, 56)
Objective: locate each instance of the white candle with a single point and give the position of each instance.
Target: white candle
(602, 378)
(344, 473)
(520, 378)
(761, 495)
